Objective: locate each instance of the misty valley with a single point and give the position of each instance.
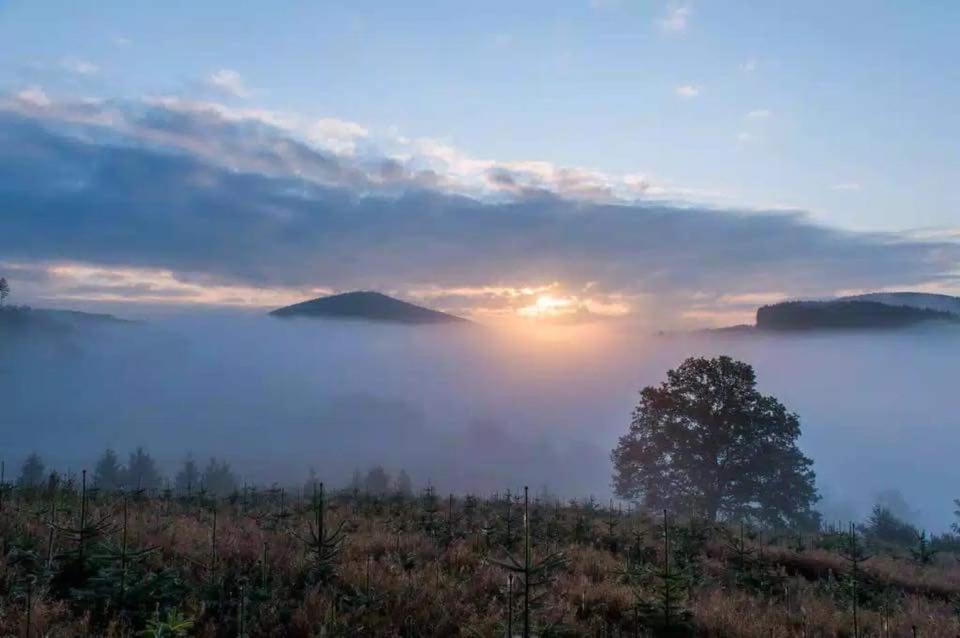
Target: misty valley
(581, 318)
(233, 422)
(465, 407)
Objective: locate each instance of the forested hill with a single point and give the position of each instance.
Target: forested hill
(846, 314)
(370, 306)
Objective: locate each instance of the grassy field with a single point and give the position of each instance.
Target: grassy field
(294, 563)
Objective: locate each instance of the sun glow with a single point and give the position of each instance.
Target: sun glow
(547, 306)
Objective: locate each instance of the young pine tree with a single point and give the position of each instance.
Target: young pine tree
(855, 555)
(532, 574)
(322, 543)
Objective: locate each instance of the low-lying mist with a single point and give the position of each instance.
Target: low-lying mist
(467, 407)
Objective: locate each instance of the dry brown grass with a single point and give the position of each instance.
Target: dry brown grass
(431, 588)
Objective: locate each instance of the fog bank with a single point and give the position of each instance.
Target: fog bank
(469, 408)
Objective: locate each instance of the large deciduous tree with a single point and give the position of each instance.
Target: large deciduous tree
(706, 442)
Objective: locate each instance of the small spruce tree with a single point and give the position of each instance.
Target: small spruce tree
(218, 479)
(142, 472)
(108, 473)
(187, 480)
(403, 485)
(32, 474)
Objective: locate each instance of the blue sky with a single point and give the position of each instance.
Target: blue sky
(845, 111)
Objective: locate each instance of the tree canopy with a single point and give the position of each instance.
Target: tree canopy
(706, 442)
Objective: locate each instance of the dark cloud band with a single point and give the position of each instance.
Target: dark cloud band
(245, 201)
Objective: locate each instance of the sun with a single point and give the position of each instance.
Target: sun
(546, 306)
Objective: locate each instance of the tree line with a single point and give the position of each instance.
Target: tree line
(139, 473)
(216, 478)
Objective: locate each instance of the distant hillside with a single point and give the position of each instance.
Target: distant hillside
(21, 326)
(371, 306)
(22, 318)
(845, 314)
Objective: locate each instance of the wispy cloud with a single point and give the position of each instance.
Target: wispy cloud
(687, 91)
(676, 19)
(847, 186)
(759, 114)
(69, 281)
(228, 82)
(750, 65)
(78, 66)
(32, 96)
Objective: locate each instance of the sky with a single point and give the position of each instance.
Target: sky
(676, 162)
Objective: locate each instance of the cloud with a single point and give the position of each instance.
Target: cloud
(846, 186)
(228, 82)
(245, 201)
(936, 233)
(759, 114)
(65, 281)
(676, 19)
(750, 65)
(33, 96)
(687, 91)
(80, 67)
